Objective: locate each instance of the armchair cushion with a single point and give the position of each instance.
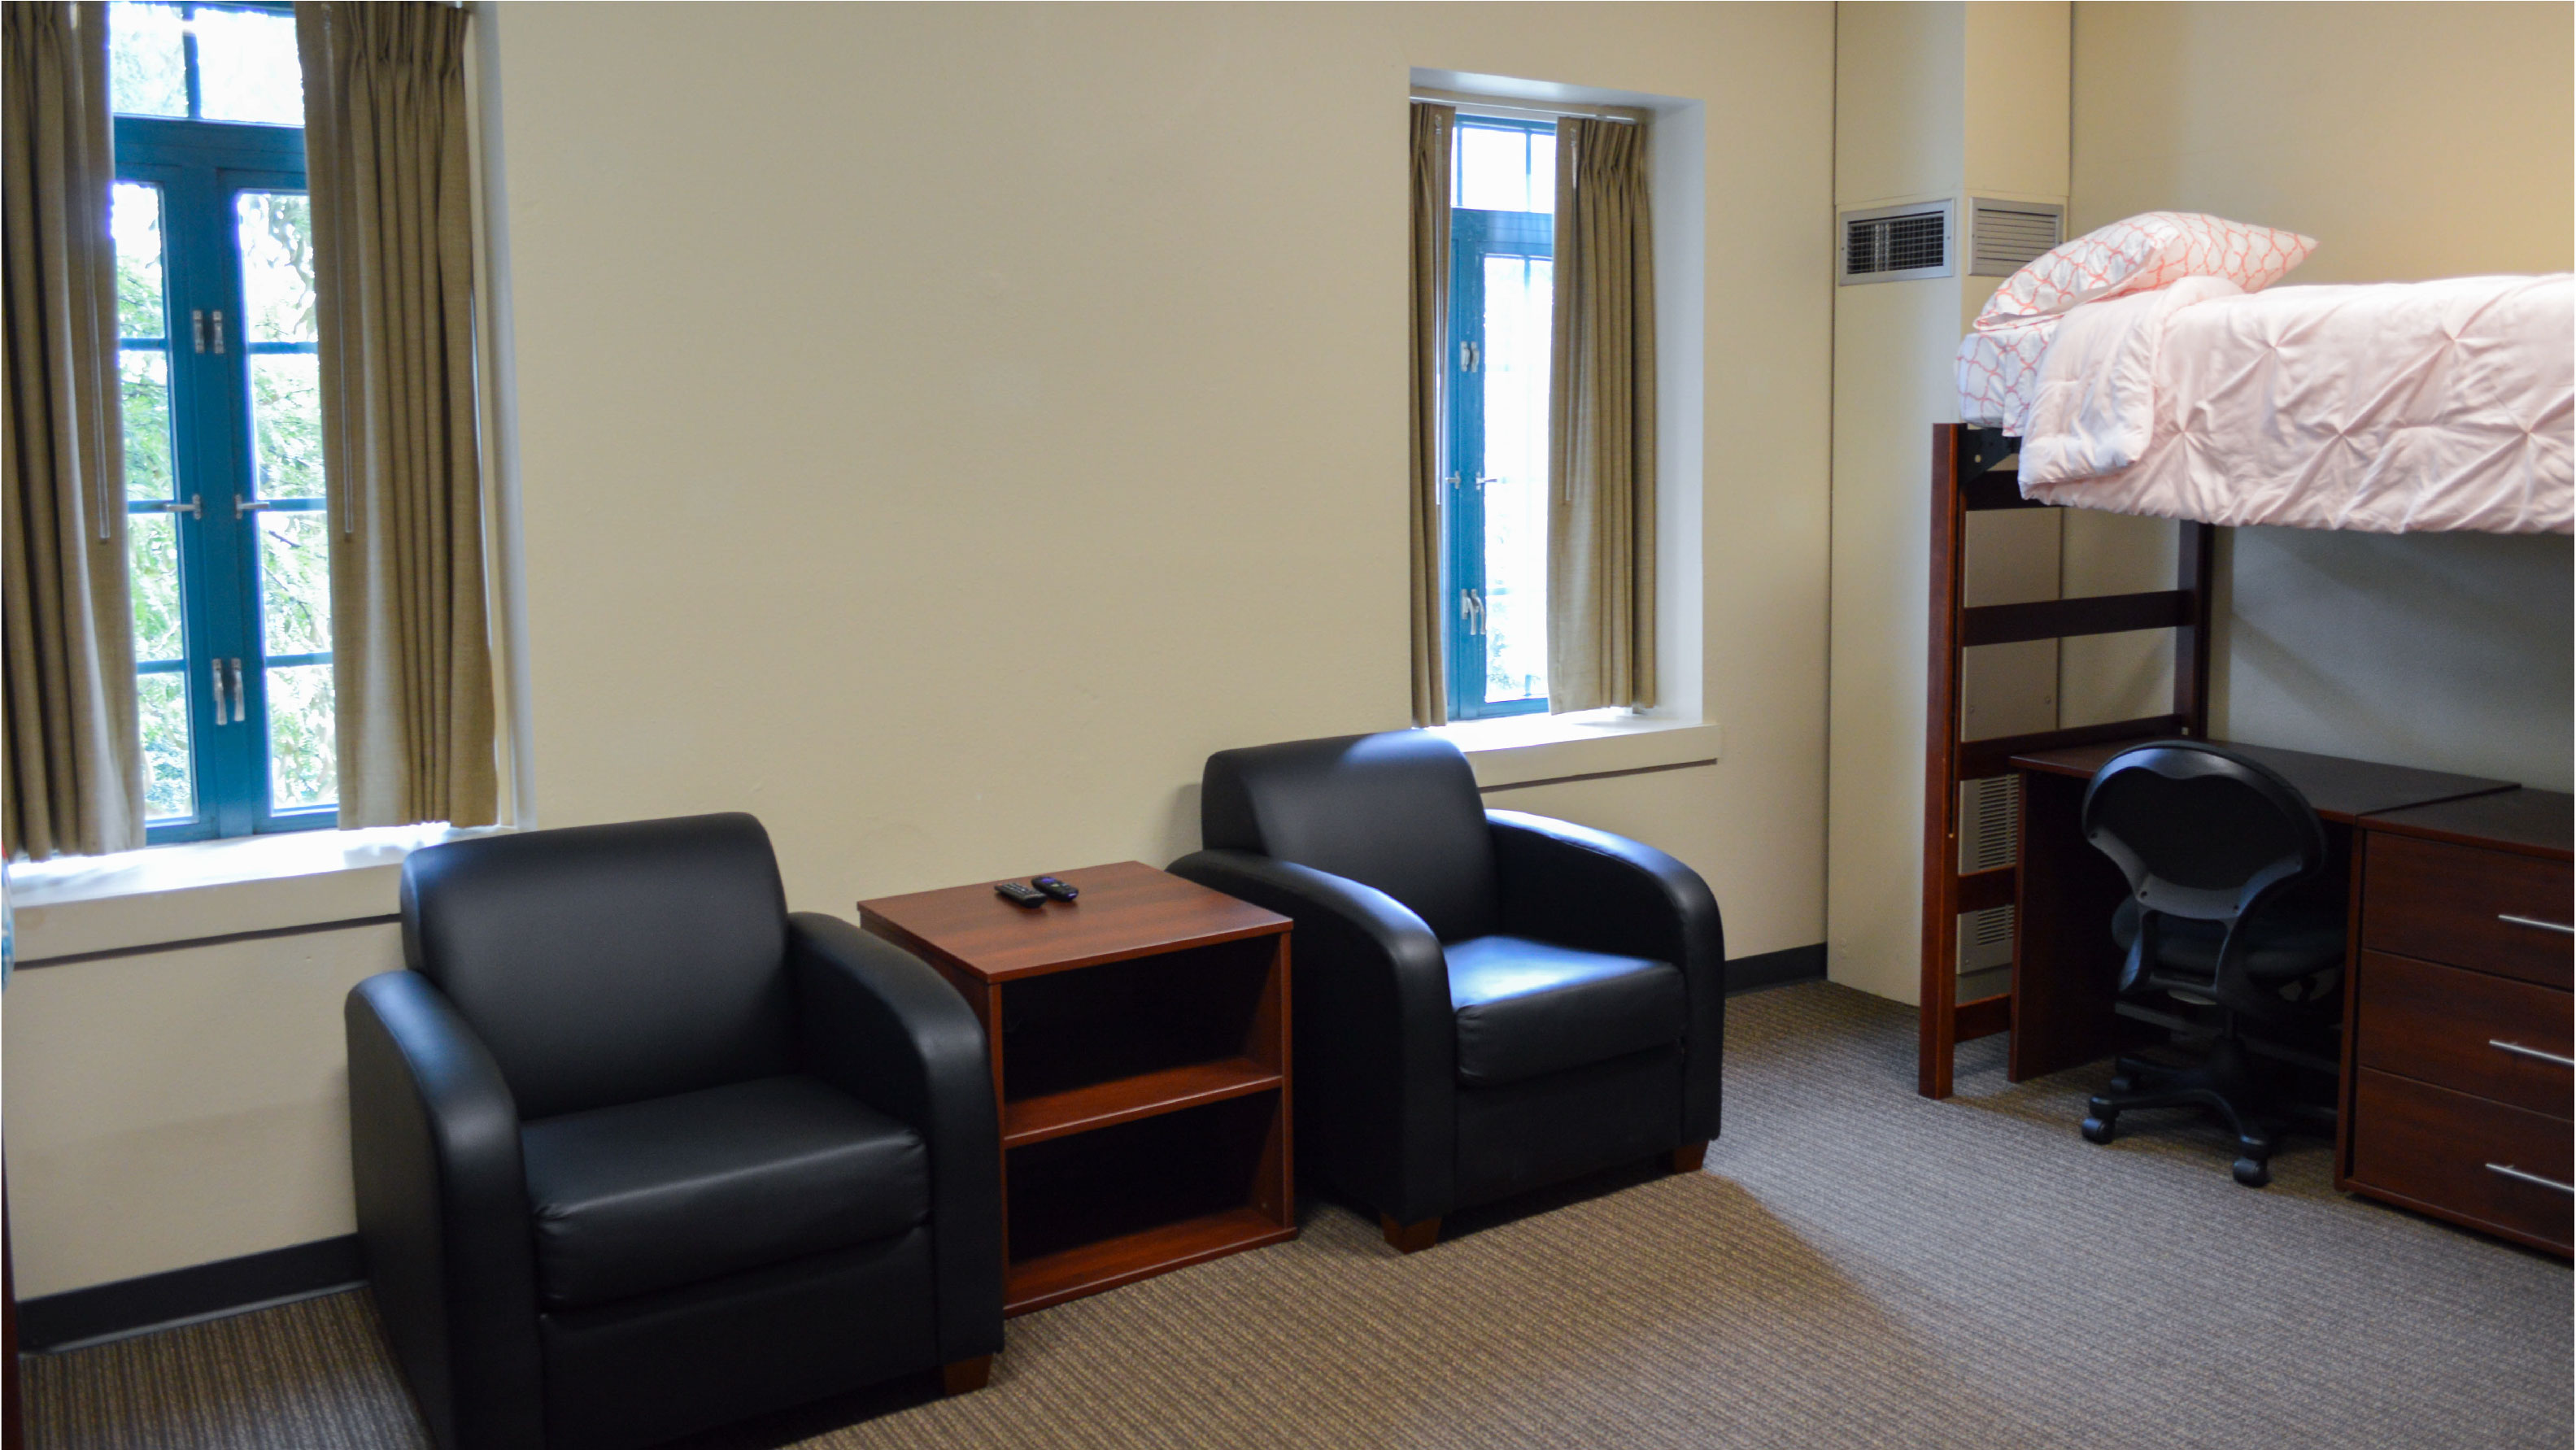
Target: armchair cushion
(1526, 1008)
(686, 1188)
(609, 964)
(1397, 811)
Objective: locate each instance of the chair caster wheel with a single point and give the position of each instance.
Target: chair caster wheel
(2097, 1130)
(2252, 1172)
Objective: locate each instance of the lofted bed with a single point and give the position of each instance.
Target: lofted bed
(2144, 369)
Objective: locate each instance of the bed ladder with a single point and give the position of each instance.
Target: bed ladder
(1967, 478)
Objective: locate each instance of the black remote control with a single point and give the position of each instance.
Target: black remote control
(1018, 895)
(1060, 890)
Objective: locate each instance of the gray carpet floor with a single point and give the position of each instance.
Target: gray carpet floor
(1855, 1267)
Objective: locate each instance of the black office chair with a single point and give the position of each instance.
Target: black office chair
(637, 1152)
(1486, 1001)
(2220, 937)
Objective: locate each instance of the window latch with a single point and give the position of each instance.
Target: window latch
(1471, 608)
(1469, 355)
(240, 712)
(219, 330)
(195, 507)
(243, 506)
(197, 326)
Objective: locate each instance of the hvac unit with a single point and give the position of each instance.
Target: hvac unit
(1926, 238)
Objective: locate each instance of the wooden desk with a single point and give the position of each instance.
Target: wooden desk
(2342, 790)
(2458, 892)
(1139, 1038)
(2065, 965)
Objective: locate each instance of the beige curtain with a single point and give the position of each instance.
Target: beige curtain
(385, 152)
(1431, 128)
(75, 754)
(1601, 424)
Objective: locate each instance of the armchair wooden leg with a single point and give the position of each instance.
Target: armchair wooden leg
(1409, 1238)
(1688, 1157)
(965, 1375)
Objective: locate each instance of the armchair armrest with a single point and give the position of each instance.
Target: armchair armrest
(1585, 888)
(881, 1025)
(1376, 1040)
(443, 1212)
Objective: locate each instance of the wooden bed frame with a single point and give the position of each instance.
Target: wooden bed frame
(1966, 479)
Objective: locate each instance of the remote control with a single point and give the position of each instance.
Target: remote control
(1018, 895)
(1060, 890)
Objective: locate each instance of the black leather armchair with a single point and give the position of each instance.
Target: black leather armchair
(1486, 1001)
(638, 1152)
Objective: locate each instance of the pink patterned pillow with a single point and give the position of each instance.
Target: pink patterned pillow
(2141, 254)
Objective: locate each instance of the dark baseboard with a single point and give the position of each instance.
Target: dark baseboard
(1775, 969)
(201, 1291)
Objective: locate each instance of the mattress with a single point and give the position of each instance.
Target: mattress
(2391, 408)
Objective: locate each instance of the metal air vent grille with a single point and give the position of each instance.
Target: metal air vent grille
(1889, 244)
(2005, 236)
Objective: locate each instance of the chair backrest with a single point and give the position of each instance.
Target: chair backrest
(2201, 832)
(1397, 811)
(610, 964)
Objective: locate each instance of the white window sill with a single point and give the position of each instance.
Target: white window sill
(78, 905)
(1528, 749)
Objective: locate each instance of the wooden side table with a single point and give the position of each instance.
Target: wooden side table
(1140, 1057)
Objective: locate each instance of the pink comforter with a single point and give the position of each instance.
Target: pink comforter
(2392, 408)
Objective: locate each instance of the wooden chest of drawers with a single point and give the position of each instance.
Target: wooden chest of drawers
(2457, 1075)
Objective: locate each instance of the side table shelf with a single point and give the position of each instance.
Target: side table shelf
(1140, 1051)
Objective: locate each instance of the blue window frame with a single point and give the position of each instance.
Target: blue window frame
(1501, 248)
(229, 544)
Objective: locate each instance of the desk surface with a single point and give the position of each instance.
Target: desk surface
(2532, 822)
(2340, 789)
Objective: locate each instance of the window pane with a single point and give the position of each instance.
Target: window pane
(167, 790)
(302, 771)
(276, 233)
(1505, 170)
(134, 221)
(147, 67)
(294, 583)
(152, 560)
(1517, 322)
(246, 67)
(144, 397)
(1493, 169)
(286, 415)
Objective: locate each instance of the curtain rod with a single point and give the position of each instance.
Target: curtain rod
(1480, 106)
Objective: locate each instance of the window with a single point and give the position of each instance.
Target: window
(229, 545)
(1502, 222)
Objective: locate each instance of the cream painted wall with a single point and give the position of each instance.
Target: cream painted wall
(939, 428)
(2414, 141)
(950, 424)
(180, 1107)
(1908, 125)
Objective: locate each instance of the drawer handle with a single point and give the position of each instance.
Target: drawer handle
(2560, 927)
(2519, 1050)
(2520, 1176)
